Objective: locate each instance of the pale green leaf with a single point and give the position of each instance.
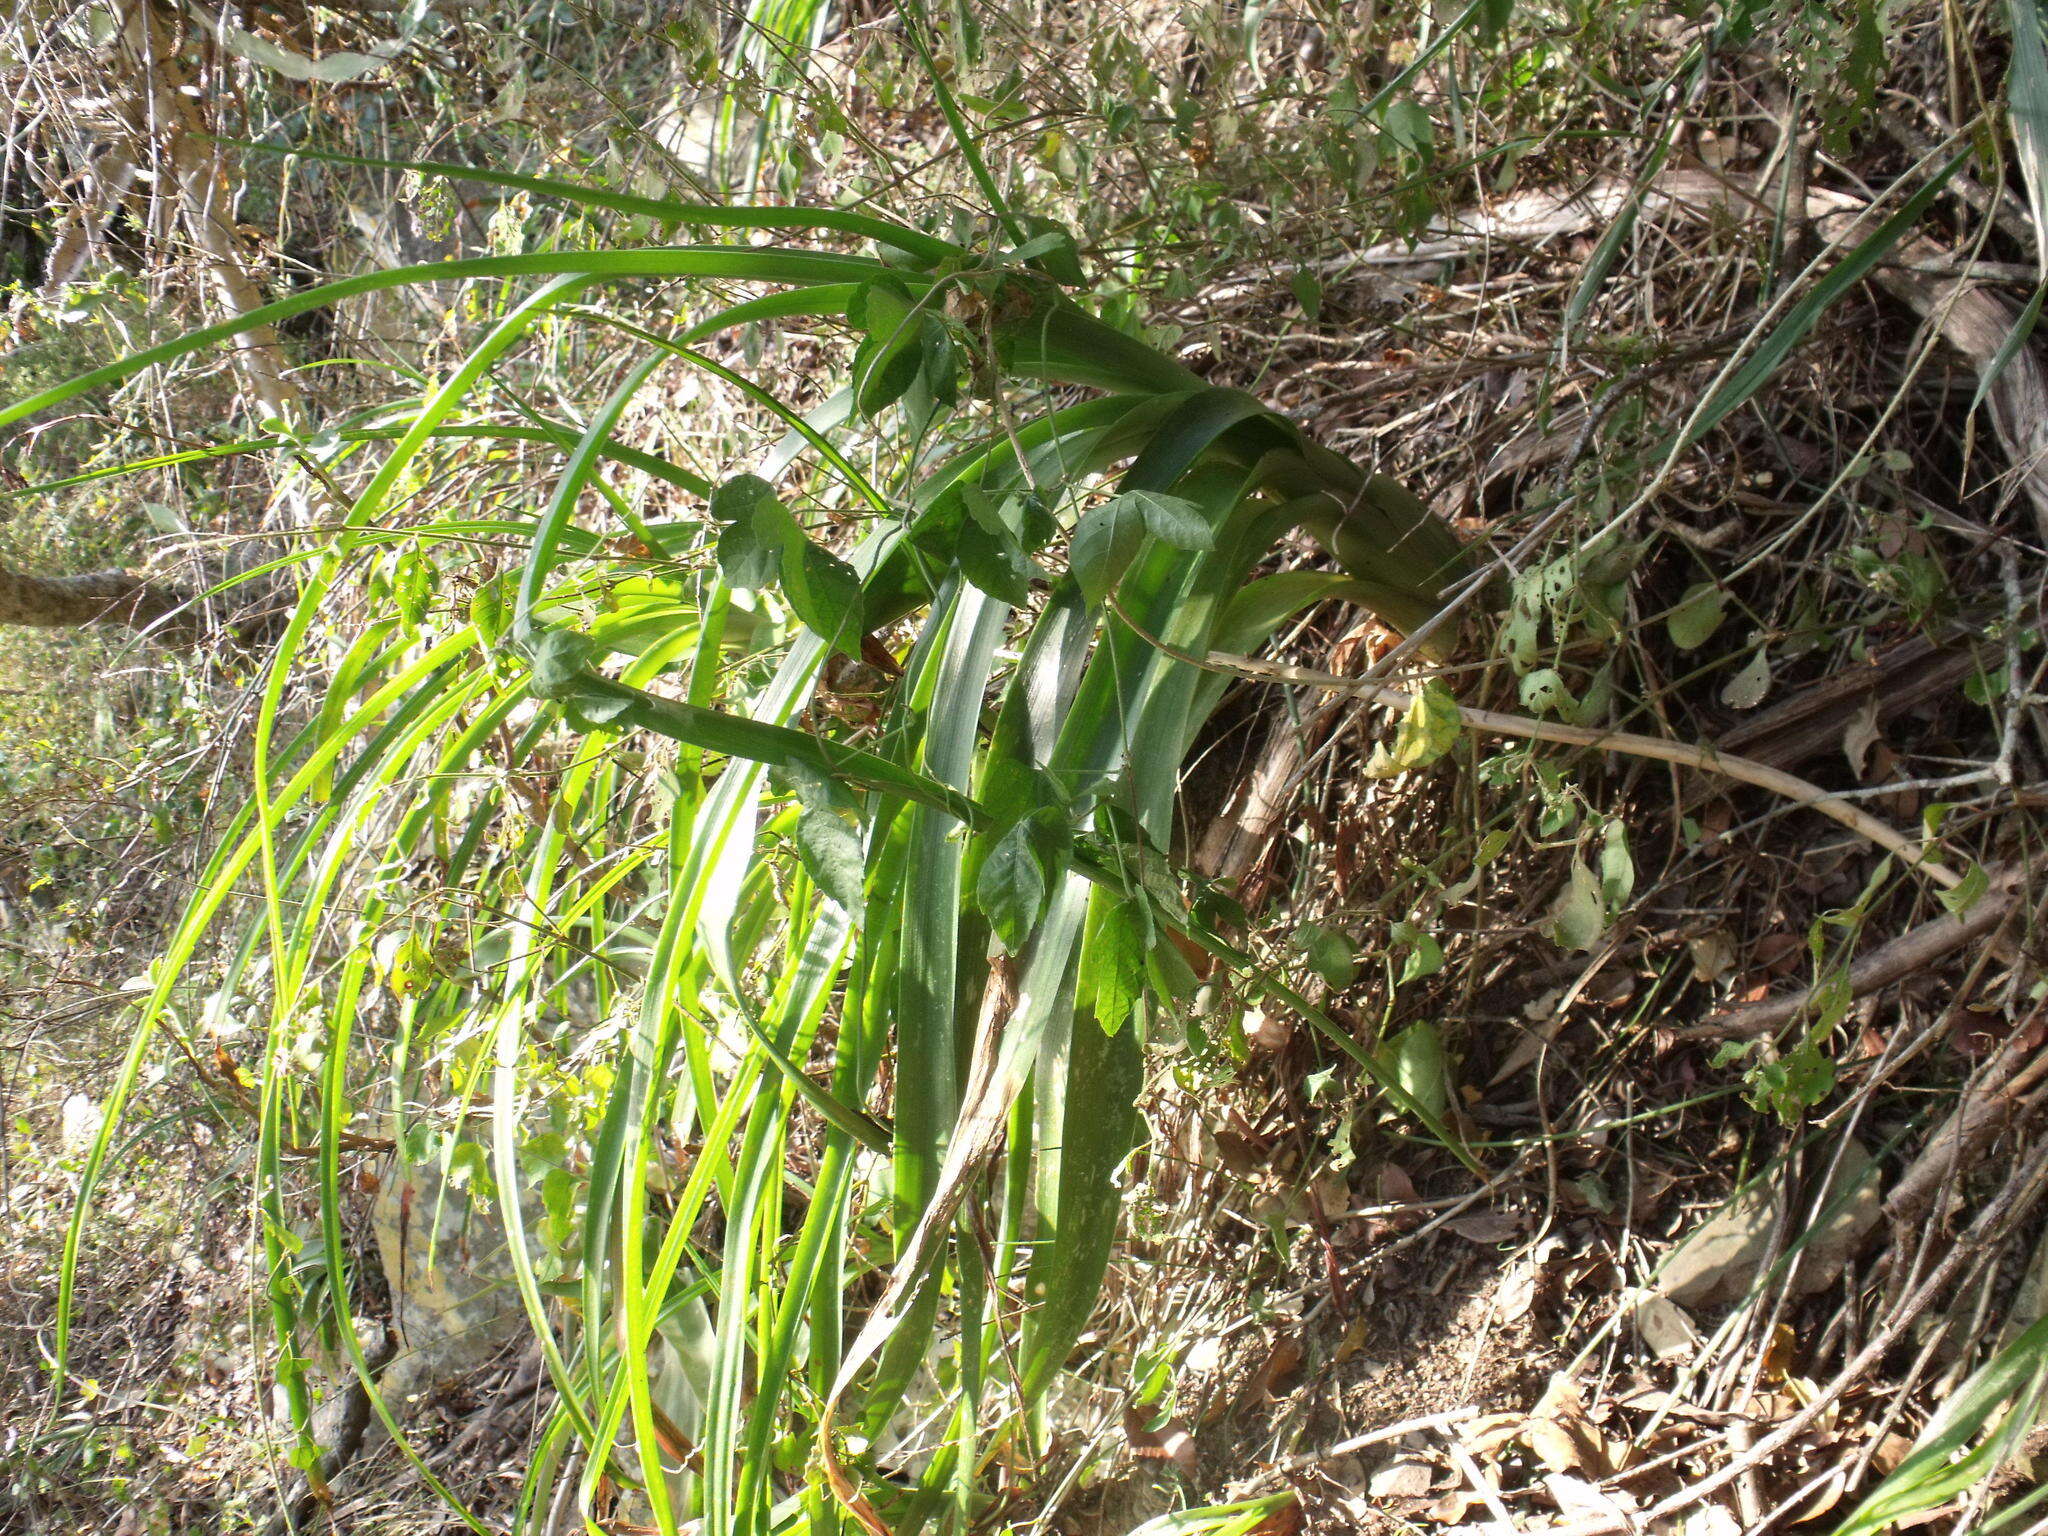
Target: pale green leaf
(1543, 692)
(560, 659)
(1419, 1065)
(1112, 961)
(1968, 892)
(1330, 954)
(1617, 867)
(1425, 954)
(1579, 914)
(1746, 689)
(1698, 614)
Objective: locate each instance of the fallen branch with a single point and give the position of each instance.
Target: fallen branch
(102, 597)
(1914, 950)
(1989, 1105)
(1743, 770)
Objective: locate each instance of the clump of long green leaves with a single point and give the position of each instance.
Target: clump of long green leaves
(880, 963)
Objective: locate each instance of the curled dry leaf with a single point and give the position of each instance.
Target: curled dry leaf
(1166, 1441)
(1355, 1334)
(1713, 955)
(1395, 1187)
(1779, 953)
(1485, 1435)
(1528, 1047)
(1331, 1194)
(1720, 1260)
(1562, 1435)
(1860, 735)
(1707, 1520)
(1516, 1296)
(1276, 1376)
(1453, 1507)
(1284, 1521)
(1268, 1031)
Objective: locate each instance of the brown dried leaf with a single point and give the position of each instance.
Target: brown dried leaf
(1860, 735)
(1284, 1521)
(1355, 1333)
(1778, 952)
(1487, 1228)
(1713, 955)
(1170, 1441)
(1276, 1377)
(1268, 1031)
(1394, 1185)
(1561, 1434)
(1517, 1294)
(1453, 1507)
(1528, 1047)
(1490, 1431)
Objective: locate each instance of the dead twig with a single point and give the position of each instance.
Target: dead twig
(1989, 1105)
(1705, 759)
(1911, 951)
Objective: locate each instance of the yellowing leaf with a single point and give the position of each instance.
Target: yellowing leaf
(1426, 733)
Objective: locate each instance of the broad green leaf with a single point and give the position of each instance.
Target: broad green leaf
(1698, 614)
(1172, 520)
(1105, 542)
(413, 580)
(1021, 518)
(1112, 961)
(1308, 292)
(560, 659)
(828, 839)
(750, 550)
(1543, 692)
(1579, 914)
(490, 607)
(1425, 954)
(1051, 249)
(996, 564)
(1617, 867)
(1330, 954)
(735, 500)
(1417, 1061)
(1968, 892)
(823, 590)
(1016, 877)
(887, 362)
